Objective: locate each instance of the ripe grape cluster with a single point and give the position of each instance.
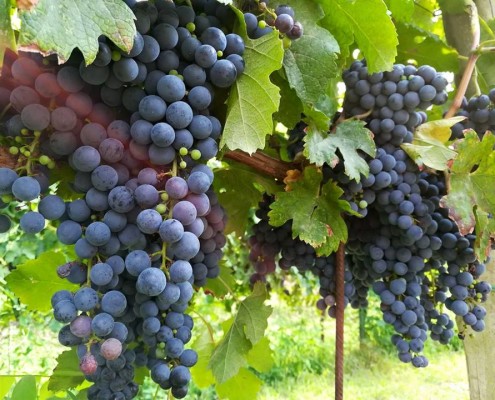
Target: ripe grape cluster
(480, 115)
(147, 227)
(405, 247)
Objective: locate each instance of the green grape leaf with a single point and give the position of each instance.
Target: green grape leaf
(25, 389)
(66, 374)
(426, 48)
(60, 26)
(6, 382)
(430, 146)
(140, 375)
(368, 23)
(223, 283)
(248, 327)
(204, 345)
(253, 98)
(350, 137)
(485, 234)
(35, 281)
(239, 188)
(471, 180)
(64, 175)
(7, 37)
(310, 62)
(402, 10)
(260, 357)
(243, 386)
(291, 108)
(315, 211)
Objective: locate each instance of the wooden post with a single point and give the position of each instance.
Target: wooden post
(480, 348)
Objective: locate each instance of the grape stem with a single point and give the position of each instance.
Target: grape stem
(339, 327)
(463, 85)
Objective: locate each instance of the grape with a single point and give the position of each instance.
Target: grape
(32, 222)
(102, 324)
(214, 37)
(150, 51)
(149, 221)
(65, 311)
(162, 134)
(136, 262)
(5, 223)
(26, 188)
(296, 32)
(35, 117)
(101, 274)
(84, 249)
(152, 108)
(161, 155)
(25, 70)
(86, 159)
(111, 150)
(66, 338)
(146, 196)
(88, 364)
(23, 96)
(184, 212)
(111, 349)
(86, 299)
(132, 97)
(63, 119)
(51, 207)
(160, 373)
(171, 230)
(151, 282)
(179, 115)
(151, 326)
(208, 148)
(223, 74)
(121, 199)
(114, 303)
(7, 178)
(141, 131)
(126, 69)
(199, 98)
(284, 23)
(186, 247)
(81, 326)
(170, 88)
(198, 182)
(69, 232)
(180, 271)
(205, 56)
(180, 376)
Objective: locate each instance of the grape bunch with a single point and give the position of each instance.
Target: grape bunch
(480, 115)
(405, 247)
(137, 130)
(282, 19)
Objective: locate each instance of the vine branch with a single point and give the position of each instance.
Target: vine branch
(263, 163)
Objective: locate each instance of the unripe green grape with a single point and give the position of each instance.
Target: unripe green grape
(219, 53)
(183, 151)
(14, 150)
(183, 164)
(44, 160)
(51, 164)
(191, 27)
(161, 208)
(164, 196)
(195, 155)
(116, 56)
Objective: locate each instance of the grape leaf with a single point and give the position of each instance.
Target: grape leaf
(310, 62)
(471, 180)
(430, 144)
(349, 137)
(402, 10)
(204, 346)
(6, 382)
(66, 374)
(239, 188)
(366, 21)
(243, 386)
(25, 389)
(291, 108)
(140, 375)
(315, 212)
(7, 38)
(248, 327)
(60, 26)
(260, 357)
(485, 234)
(35, 281)
(253, 98)
(426, 48)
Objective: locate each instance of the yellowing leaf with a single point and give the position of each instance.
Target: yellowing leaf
(430, 146)
(471, 181)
